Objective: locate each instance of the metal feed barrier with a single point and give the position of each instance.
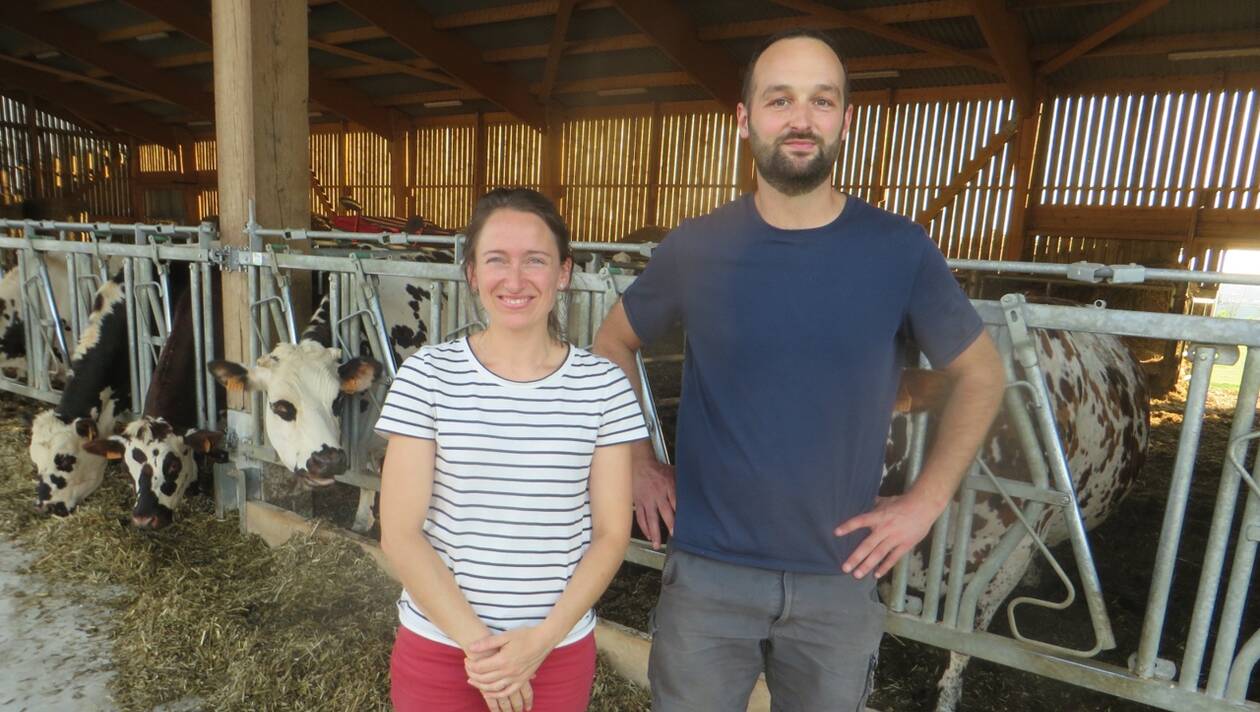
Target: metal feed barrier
(943, 615)
(91, 258)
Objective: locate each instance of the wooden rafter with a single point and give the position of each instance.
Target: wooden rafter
(414, 29)
(88, 104)
(561, 29)
(968, 172)
(861, 21)
(382, 66)
(340, 98)
(673, 31)
(1007, 37)
(76, 41)
(887, 15)
(75, 76)
(131, 32)
(1134, 15)
(628, 81)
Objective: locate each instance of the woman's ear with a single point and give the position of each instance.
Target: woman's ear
(566, 274)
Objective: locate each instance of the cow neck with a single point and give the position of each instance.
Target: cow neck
(495, 378)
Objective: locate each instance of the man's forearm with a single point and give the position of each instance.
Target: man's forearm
(964, 423)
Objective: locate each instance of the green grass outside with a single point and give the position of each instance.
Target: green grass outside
(1228, 377)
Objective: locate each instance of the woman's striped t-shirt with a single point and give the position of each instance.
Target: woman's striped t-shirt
(510, 512)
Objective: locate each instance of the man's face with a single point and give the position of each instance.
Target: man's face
(795, 117)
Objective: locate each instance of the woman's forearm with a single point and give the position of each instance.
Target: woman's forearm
(433, 588)
(591, 577)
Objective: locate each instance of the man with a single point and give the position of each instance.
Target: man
(795, 300)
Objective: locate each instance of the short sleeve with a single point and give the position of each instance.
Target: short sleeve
(622, 418)
(653, 302)
(408, 408)
(942, 322)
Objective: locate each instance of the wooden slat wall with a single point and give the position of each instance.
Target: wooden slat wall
(1170, 150)
(513, 156)
(159, 159)
(698, 164)
(604, 171)
(439, 172)
(858, 168)
(89, 172)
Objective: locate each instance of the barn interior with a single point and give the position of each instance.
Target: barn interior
(1046, 131)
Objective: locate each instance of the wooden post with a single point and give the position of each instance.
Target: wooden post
(188, 148)
(480, 159)
(654, 167)
(34, 162)
(552, 153)
(262, 133)
(398, 169)
(1028, 147)
(137, 188)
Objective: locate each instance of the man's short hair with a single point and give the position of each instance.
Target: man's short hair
(799, 32)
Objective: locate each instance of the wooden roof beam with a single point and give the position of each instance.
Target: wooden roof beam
(673, 31)
(76, 41)
(563, 12)
(340, 98)
(861, 21)
(1134, 15)
(87, 103)
(1008, 38)
(628, 81)
(414, 29)
(968, 172)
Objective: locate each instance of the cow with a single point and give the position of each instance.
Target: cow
(12, 334)
(1099, 399)
(158, 448)
(306, 384)
(98, 390)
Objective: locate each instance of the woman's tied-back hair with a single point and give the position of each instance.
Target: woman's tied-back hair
(522, 200)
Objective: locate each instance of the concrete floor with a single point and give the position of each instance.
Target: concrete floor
(54, 646)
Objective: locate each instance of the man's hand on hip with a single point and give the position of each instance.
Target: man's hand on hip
(896, 524)
(654, 500)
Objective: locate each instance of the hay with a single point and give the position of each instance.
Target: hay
(208, 618)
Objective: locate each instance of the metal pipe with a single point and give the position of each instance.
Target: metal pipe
(1218, 536)
(35, 373)
(1240, 575)
(199, 352)
(958, 557)
(129, 285)
(1244, 664)
(1174, 512)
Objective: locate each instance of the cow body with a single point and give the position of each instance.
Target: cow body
(99, 388)
(158, 448)
(1099, 399)
(13, 354)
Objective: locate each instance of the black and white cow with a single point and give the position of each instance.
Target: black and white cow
(12, 334)
(1099, 399)
(98, 390)
(158, 448)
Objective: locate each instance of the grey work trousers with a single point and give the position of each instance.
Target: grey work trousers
(717, 626)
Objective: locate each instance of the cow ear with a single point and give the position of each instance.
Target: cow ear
(922, 389)
(203, 441)
(232, 375)
(358, 374)
(108, 448)
(85, 428)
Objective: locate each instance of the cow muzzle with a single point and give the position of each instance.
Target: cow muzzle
(323, 465)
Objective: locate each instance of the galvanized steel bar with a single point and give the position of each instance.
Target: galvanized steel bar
(958, 556)
(1174, 512)
(1222, 522)
(35, 374)
(1236, 599)
(129, 285)
(199, 351)
(1241, 674)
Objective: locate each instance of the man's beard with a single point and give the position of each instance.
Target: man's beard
(787, 176)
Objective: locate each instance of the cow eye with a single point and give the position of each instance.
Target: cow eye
(285, 410)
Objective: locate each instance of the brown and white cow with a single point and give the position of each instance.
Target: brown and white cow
(1100, 404)
(13, 354)
(99, 388)
(306, 384)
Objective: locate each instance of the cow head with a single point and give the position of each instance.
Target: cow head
(160, 462)
(66, 471)
(304, 388)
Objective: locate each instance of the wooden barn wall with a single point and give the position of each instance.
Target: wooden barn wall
(76, 172)
(1131, 159)
(1187, 150)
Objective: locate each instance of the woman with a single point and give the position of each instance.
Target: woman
(505, 494)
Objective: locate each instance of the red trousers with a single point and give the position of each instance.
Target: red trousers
(427, 676)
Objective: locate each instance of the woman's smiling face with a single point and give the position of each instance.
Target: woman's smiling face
(517, 270)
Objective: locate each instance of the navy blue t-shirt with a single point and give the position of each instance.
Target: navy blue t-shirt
(793, 359)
